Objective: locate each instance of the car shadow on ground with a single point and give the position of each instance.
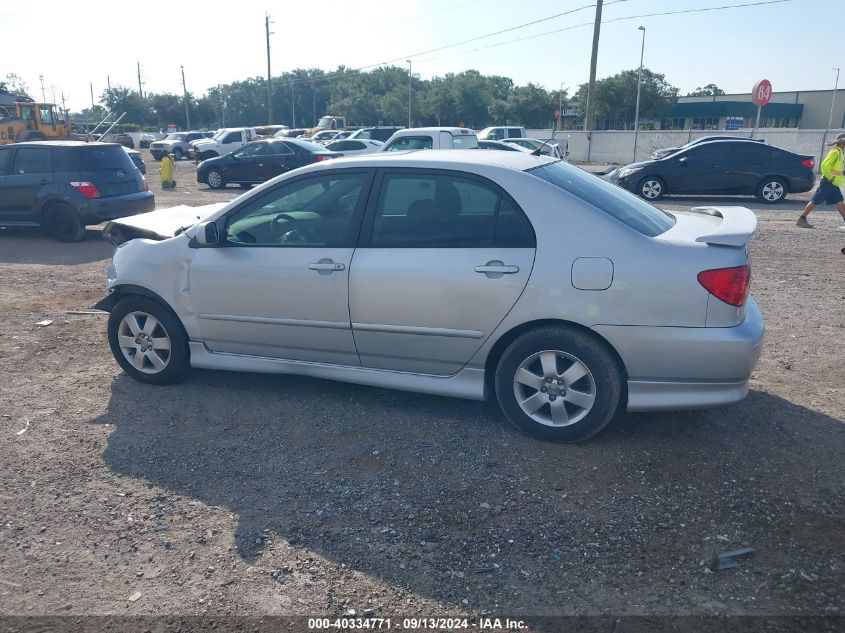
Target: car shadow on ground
(417, 489)
(29, 245)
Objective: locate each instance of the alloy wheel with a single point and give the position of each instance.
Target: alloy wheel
(144, 342)
(215, 180)
(554, 388)
(652, 189)
(773, 191)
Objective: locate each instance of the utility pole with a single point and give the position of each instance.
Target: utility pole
(639, 82)
(588, 119)
(269, 76)
(409, 91)
(140, 89)
(91, 85)
(313, 104)
(108, 82)
(292, 106)
(830, 118)
(185, 92)
(41, 79)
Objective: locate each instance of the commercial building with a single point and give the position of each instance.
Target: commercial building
(805, 109)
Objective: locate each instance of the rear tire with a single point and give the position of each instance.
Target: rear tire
(148, 341)
(64, 223)
(215, 179)
(558, 384)
(771, 190)
(651, 188)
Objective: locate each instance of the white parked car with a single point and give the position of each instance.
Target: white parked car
(322, 137)
(548, 149)
(431, 138)
(501, 132)
(223, 142)
(353, 147)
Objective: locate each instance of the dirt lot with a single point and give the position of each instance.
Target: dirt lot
(256, 494)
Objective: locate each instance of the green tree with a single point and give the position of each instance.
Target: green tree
(710, 90)
(15, 84)
(614, 100)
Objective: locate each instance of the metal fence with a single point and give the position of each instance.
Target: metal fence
(616, 146)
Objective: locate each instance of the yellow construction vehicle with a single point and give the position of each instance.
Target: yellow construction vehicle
(22, 119)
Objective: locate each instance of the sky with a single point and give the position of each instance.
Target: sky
(789, 43)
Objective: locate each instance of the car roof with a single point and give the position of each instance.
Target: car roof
(444, 159)
(65, 144)
(453, 130)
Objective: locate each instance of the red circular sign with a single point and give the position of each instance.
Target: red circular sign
(762, 93)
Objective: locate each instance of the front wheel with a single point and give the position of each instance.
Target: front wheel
(148, 341)
(651, 188)
(558, 384)
(771, 190)
(215, 179)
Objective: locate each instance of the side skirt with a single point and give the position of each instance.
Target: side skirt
(467, 383)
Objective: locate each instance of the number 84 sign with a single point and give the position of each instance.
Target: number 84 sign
(762, 93)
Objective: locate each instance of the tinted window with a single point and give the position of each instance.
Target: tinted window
(252, 149)
(514, 132)
(748, 153)
(32, 160)
(4, 159)
(442, 211)
(281, 148)
(91, 158)
(408, 143)
(315, 211)
(704, 153)
(233, 137)
(612, 200)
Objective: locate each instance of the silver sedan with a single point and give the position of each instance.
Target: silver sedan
(458, 273)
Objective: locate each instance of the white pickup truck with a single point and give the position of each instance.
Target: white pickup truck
(431, 138)
(224, 141)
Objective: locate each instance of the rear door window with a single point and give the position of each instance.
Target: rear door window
(32, 160)
(436, 210)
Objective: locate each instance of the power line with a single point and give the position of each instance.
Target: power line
(619, 19)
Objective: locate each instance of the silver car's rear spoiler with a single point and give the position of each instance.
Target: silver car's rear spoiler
(737, 227)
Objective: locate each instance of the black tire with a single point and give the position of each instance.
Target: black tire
(603, 381)
(64, 223)
(178, 356)
(215, 179)
(651, 188)
(771, 190)
(177, 154)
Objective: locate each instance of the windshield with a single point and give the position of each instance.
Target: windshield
(219, 134)
(325, 122)
(175, 137)
(612, 200)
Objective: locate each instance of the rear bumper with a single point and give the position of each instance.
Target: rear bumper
(102, 209)
(682, 368)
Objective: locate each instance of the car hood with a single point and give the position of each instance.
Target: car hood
(160, 224)
(203, 141)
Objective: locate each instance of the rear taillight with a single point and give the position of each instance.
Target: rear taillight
(322, 157)
(808, 163)
(146, 184)
(87, 189)
(727, 284)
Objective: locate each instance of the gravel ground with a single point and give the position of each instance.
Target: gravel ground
(258, 495)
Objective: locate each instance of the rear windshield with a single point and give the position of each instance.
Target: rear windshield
(613, 200)
(307, 145)
(91, 158)
(469, 141)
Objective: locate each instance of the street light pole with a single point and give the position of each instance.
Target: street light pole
(185, 92)
(639, 83)
(409, 92)
(830, 118)
(560, 107)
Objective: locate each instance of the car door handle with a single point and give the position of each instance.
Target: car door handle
(502, 269)
(330, 266)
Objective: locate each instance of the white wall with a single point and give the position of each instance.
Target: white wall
(616, 146)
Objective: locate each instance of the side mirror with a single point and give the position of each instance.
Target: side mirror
(207, 234)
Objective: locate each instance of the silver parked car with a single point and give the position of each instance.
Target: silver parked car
(458, 273)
